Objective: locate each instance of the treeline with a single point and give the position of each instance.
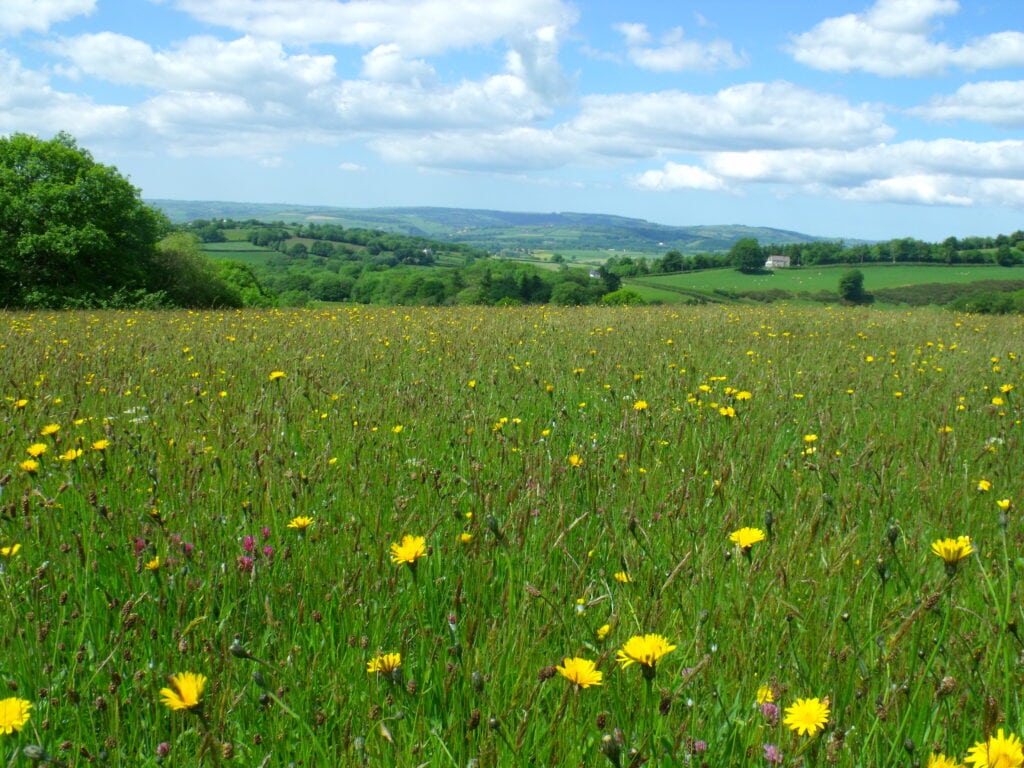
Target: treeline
(1005, 250)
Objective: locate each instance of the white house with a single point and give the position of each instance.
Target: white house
(777, 262)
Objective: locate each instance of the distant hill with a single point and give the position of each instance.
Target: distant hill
(498, 231)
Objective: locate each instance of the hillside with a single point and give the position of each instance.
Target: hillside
(499, 231)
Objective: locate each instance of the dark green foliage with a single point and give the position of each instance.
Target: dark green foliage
(851, 288)
(72, 231)
(747, 256)
(187, 277)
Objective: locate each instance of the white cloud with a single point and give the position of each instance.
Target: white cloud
(940, 172)
(895, 38)
(677, 176)
(677, 54)
(750, 115)
(386, 63)
(418, 27)
(349, 167)
(198, 63)
(18, 16)
(999, 102)
(29, 104)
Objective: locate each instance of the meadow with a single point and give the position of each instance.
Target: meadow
(653, 536)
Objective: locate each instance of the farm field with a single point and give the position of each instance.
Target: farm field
(812, 279)
(657, 536)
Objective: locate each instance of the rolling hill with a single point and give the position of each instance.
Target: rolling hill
(499, 231)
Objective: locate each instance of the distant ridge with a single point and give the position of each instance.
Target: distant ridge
(498, 231)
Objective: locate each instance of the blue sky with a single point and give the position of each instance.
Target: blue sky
(862, 118)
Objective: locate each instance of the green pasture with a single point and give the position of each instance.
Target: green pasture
(226, 494)
(813, 279)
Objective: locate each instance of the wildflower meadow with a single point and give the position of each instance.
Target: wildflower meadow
(662, 536)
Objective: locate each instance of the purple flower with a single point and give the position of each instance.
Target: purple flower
(268, 552)
(245, 564)
(772, 754)
(266, 532)
(770, 712)
(249, 543)
(163, 749)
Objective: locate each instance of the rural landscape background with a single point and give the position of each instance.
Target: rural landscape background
(403, 384)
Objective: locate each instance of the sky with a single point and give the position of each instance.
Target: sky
(837, 118)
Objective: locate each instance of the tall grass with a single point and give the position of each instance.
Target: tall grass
(569, 469)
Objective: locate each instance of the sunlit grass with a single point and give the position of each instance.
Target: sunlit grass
(241, 496)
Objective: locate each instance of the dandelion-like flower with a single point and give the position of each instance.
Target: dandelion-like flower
(186, 691)
(952, 551)
(938, 760)
(154, 564)
(640, 405)
(580, 672)
(101, 445)
(765, 695)
(37, 449)
(300, 523)
(997, 751)
(50, 429)
(807, 716)
(14, 713)
(411, 549)
(275, 375)
(623, 578)
(385, 663)
(645, 650)
(29, 465)
(1004, 504)
(745, 538)
(602, 631)
(10, 551)
(575, 460)
(984, 486)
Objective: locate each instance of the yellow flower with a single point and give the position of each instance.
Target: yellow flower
(622, 577)
(743, 395)
(101, 445)
(386, 663)
(728, 411)
(20, 403)
(745, 538)
(952, 551)
(70, 454)
(765, 695)
(807, 716)
(465, 538)
(640, 405)
(936, 760)
(411, 549)
(29, 465)
(602, 631)
(154, 564)
(10, 551)
(36, 450)
(397, 429)
(1004, 504)
(13, 714)
(186, 691)
(810, 438)
(580, 672)
(50, 429)
(576, 460)
(644, 650)
(274, 375)
(300, 523)
(998, 751)
(984, 486)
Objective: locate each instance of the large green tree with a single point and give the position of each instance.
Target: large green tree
(746, 255)
(72, 230)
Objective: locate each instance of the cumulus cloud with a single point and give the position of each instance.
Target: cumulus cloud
(675, 53)
(29, 104)
(999, 102)
(895, 38)
(198, 63)
(418, 27)
(17, 16)
(939, 172)
(678, 176)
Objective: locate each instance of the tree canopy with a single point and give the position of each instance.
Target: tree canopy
(72, 231)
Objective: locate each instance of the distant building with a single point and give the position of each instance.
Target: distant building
(777, 262)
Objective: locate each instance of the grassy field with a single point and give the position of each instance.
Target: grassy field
(813, 279)
(226, 494)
